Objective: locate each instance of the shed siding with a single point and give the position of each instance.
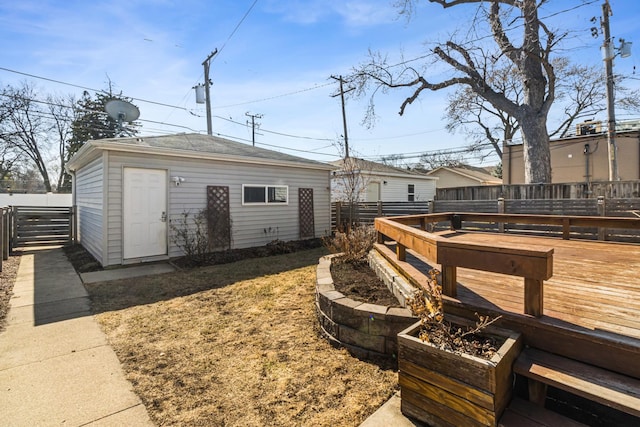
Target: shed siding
(451, 179)
(89, 201)
(248, 222)
(396, 189)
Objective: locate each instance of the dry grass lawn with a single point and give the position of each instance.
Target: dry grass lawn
(237, 345)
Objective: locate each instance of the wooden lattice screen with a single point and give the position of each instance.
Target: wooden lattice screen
(218, 217)
(305, 208)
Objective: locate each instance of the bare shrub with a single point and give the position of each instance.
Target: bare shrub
(190, 234)
(426, 303)
(354, 244)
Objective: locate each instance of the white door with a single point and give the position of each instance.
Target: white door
(144, 212)
(373, 192)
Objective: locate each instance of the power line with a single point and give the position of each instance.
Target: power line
(488, 36)
(275, 96)
(238, 25)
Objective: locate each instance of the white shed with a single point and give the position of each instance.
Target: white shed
(128, 192)
(366, 181)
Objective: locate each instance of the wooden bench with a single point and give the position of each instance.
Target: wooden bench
(521, 413)
(534, 264)
(596, 384)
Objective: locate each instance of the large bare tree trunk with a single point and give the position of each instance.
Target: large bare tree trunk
(537, 160)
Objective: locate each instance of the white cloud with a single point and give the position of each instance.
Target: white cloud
(354, 13)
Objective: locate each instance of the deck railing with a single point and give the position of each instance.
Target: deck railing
(533, 263)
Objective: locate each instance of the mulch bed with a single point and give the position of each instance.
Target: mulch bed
(7, 280)
(357, 281)
(84, 262)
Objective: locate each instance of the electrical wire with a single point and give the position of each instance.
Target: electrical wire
(236, 28)
(286, 94)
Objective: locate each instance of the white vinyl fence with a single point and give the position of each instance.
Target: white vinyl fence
(49, 199)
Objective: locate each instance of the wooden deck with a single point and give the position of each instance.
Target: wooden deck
(595, 285)
(591, 303)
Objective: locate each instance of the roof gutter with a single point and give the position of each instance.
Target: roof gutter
(91, 147)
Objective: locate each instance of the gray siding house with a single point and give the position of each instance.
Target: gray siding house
(130, 191)
(361, 180)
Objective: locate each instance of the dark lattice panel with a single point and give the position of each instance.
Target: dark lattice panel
(305, 203)
(218, 217)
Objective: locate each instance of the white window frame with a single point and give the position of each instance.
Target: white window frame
(266, 195)
(411, 194)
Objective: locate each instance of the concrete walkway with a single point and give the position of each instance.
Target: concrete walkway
(56, 367)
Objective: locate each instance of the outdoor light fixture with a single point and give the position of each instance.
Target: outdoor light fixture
(177, 180)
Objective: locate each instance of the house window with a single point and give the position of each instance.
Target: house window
(411, 192)
(265, 194)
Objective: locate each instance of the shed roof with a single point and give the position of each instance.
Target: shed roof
(194, 146)
(476, 174)
(368, 167)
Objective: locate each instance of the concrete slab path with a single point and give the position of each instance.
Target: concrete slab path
(56, 367)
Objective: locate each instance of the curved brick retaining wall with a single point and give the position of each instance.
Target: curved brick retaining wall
(366, 330)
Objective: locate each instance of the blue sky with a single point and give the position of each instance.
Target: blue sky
(277, 63)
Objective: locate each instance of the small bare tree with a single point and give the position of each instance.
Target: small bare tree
(25, 129)
(350, 182)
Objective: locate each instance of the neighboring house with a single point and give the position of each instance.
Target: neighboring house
(464, 176)
(129, 191)
(581, 158)
(365, 181)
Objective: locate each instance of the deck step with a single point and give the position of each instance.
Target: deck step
(521, 413)
(596, 384)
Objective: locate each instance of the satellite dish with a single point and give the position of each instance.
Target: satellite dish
(122, 111)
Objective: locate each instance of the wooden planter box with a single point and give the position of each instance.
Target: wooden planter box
(442, 388)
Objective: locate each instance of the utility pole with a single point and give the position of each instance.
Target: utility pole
(207, 83)
(608, 55)
(253, 125)
(344, 115)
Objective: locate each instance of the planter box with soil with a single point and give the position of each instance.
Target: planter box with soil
(444, 388)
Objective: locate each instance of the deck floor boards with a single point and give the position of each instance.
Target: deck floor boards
(595, 285)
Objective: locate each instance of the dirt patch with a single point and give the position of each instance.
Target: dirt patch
(84, 262)
(450, 337)
(7, 280)
(357, 281)
(81, 259)
(237, 344)
(276, 247)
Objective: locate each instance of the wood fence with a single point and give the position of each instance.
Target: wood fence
(365, 213)
(580, 190)
(23, 226)
(344, 213)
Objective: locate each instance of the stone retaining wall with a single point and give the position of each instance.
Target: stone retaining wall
(366, 330)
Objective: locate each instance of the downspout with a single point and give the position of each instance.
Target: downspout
(509, 174)
(74, 207)
(587, 175)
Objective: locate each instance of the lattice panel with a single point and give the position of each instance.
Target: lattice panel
(305, 207)
(218, 217)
